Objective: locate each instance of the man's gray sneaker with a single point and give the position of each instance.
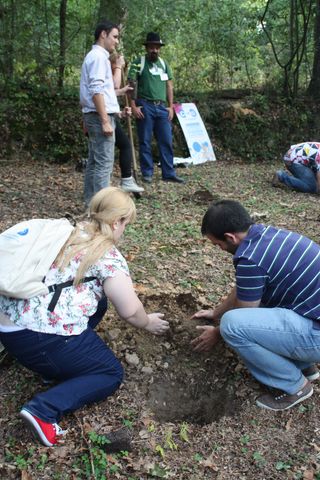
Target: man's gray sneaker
(130, 185)
(284, 401)
(311, 373)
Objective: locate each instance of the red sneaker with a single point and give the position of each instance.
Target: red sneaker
(47, 433)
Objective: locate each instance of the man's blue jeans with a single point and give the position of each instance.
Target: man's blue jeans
(100, 156)
(274, 343)
(86, 369)
(155, 121)
(302, 178)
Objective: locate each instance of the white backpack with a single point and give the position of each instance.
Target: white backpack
(27, 251)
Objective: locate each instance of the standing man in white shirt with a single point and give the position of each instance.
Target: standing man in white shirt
(99, 106)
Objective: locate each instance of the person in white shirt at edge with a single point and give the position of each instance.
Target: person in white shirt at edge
(62, 345)
(100, 106)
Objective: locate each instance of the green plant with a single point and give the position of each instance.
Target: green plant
(127, 423)
(184, 430)
(42, 462)
(169, 442)
(21, 462)
(198, 457)
(95, 462)
(245, 439)
(258, 459)
(283, 465)
(158, 471)
(160, 450)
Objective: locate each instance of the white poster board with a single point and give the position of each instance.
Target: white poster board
(195, 133)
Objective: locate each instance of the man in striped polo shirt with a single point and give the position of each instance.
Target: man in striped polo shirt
(271, 318)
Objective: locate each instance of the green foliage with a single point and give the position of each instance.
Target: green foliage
(210, 44)
(259, 127)
(45, 123)
(220, 43)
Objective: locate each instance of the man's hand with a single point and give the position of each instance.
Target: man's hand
(207, 340)
(207, 314)
(137, 112)
(170, 113)
(107, 128)
(156, 325)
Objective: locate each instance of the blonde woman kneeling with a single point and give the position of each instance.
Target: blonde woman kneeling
(62, 344)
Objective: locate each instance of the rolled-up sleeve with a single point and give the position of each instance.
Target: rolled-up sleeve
(96, 69)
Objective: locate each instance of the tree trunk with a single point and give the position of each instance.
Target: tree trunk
(314, 85)
(62, 53)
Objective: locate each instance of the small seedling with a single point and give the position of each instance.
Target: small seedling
(198, 457)
(159, 450)
(283, 466)
(184, 430)
(245, 439)
(259, 459)
(169, 442)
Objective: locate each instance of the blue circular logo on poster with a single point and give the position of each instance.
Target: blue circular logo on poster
(196, 146)
(192, 112)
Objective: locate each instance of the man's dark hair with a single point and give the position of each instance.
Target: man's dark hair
(225, 216)
(104, 25)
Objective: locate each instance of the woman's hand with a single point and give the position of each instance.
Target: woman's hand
(156, 325)
(208, 338)
(125, 113)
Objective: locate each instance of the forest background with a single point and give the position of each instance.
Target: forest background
(252, 67)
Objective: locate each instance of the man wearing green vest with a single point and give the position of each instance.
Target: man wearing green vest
(153, 109)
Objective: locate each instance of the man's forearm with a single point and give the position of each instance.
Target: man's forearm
(98, 101)
(170, 93)
(226, 305)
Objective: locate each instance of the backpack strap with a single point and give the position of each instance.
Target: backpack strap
(57, 289)
(143, 62)
(163, 63)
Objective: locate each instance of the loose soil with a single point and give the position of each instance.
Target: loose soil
(190, 416)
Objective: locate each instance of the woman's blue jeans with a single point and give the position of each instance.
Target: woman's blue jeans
(274, 343)
(302, 178)
(86, 369)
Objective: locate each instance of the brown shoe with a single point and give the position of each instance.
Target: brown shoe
(275, 180)
(311, 373)
(284, 401)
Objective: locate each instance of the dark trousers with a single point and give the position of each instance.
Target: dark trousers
(125, 152)
(86, 369)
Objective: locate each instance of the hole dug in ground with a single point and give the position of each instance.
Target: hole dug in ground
(192, 387)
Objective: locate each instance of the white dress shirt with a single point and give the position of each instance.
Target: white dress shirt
(96, 77)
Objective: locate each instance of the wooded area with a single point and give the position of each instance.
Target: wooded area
(265, 50)
(221, 43)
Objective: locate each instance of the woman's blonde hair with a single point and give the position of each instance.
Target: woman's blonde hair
(96, 236)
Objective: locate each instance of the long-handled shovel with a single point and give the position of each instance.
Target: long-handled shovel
(134, 159)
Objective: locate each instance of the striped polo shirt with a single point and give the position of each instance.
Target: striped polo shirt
(281, 268)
